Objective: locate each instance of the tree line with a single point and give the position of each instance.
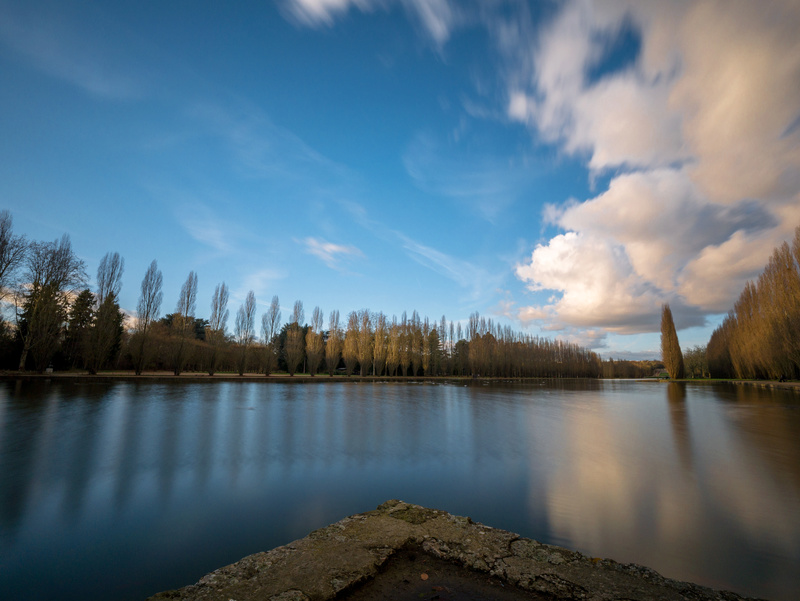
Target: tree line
(760, 336)
(60, 322)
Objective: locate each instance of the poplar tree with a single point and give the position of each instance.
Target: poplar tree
(393, 348)
(183, 320)
(215, 332)
(314, 344)
(380, 351)
(333, 348)
(105, 336)
(364, 341)
(294, 339)
(350, 350)
(670, 349)
(147, 313)
(270, 326)
(245, 328)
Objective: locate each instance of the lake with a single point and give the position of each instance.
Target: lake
(122, 489)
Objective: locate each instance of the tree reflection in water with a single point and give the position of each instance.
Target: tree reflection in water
(122, 489)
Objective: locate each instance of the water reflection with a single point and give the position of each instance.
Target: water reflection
(679, 418)
(156, 484)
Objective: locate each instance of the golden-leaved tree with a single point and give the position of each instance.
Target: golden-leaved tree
(670, 348)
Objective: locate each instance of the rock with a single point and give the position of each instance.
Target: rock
(338, 558)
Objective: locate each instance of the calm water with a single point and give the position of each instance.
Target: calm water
(121, 490)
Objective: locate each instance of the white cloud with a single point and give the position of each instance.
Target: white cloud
(315, 12)
(330, 253)
(437, 17)
(704, 115)
(625, 119)
(597, 282)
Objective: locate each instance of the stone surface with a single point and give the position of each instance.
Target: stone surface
(336, 560)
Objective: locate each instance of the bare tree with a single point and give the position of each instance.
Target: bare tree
(109, 276)
(106, 334)
(53, 273)
(294, 339)
(183, 320)
(147, 312)
(245, 328)
(12, 254)
(298, 314)
(393, 348)
(415, 342)
(364, 341)
(405, 344)
(694, 360)
(380, 346)
(350, 349)
(215, 332)
(314, 345)
(333, 348)
(270, 324)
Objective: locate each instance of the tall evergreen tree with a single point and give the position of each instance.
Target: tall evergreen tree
(54, 272)
(81, 317)
(670, 349)
(105, 335)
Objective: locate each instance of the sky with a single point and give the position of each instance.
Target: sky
(564, 168)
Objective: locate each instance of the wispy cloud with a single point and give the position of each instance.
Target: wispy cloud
(262, 149)
(488, 185)
(437, 17)
(203, 227)
(480, 283)
(261, 282)
(54, 47)
(331, 254)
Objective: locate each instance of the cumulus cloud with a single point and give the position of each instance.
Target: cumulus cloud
(330, 253)
(699, 128)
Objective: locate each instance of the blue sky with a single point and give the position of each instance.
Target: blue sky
(562, 167)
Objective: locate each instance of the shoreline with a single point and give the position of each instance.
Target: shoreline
(321, 378)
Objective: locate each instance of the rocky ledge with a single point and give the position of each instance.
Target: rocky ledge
(339, 560)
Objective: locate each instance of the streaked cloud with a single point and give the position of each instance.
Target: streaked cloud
(54, 47)
(263, 149)
(486, 184)
(480, 283)
(331, 254)
(437, 17)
